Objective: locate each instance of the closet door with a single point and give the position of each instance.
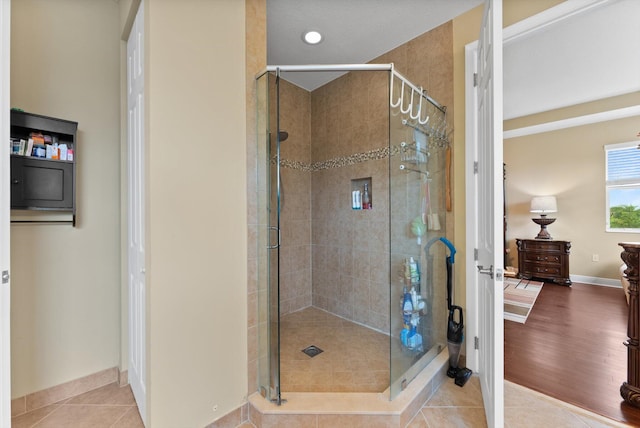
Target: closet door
(5, 239)
(137, 371)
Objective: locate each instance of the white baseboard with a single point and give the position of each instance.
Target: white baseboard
(592, 280)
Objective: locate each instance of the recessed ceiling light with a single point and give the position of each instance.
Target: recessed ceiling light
(312, 37)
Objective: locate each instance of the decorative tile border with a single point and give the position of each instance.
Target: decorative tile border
(350, 160)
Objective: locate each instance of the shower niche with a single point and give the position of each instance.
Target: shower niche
(365, 282)
(361, 194)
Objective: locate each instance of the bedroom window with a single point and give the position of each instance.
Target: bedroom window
(623, 187)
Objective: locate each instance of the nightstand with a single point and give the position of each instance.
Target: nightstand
(544, 259)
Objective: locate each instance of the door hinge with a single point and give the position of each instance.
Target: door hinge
(475, 254)
(476, 343)
(475, 167)
(475, 79)
(5, 276)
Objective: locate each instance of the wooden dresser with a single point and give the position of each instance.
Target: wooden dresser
(544, 260)
(630, 390)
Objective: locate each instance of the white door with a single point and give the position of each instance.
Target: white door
(484, 208)
(5, 301)
(136, 213)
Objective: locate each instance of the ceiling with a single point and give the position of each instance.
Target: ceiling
(583, 51)
(354, 31)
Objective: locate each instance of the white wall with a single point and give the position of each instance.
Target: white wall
(65, 281)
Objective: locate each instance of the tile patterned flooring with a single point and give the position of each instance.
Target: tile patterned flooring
(110, 406)
(356, 358)
(451, 406)
(362, 366)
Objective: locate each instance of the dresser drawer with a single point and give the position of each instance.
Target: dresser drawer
(546, 258)
(547, 246)
(542, 270)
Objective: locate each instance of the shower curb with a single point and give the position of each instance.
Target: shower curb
(320, 409)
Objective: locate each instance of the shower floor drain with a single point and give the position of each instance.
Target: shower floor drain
(312, 351)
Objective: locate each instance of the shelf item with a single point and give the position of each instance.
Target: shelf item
(544, 260)
(43, 180)
(361, 198)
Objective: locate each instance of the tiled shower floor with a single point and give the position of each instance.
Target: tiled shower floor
(354, 358)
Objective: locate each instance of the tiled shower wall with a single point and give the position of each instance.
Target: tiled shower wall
(350, 247)
(343, 251)
(295, 216)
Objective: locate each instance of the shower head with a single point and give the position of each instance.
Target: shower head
(282, 136)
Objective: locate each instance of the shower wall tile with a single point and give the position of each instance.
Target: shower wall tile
(252, 340)
(345, 261)
(252, 309)
(361, 264)
(252, 275)
(296, 232)
(295, 182)
(379, 270)
(379, 300)
(296, 207)
(295, 220)
(348, 250)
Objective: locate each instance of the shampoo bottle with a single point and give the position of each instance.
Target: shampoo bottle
(366, 201)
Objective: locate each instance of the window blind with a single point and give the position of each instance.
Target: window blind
(623, 164)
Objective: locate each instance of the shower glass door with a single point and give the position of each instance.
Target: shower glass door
(268, 237)
(416, 223)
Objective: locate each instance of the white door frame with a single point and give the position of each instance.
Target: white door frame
(5, 238)
(484, 201)
(511, 34)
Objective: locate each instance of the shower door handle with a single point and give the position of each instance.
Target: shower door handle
(486, 271)
(277, 245)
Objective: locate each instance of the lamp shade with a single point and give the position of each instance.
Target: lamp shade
(544, 204)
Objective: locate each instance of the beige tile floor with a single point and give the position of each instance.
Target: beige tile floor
(362, 366)
(111, 406)
(355, 358)
(451, 406)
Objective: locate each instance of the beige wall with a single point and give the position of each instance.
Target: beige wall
(196, 194)
(256, 61)
(65, 295)
(466, 29)
(569, 164)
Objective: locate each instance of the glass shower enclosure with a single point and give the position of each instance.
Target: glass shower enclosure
(351, 208)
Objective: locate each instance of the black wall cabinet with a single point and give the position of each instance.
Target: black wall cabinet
(38, 183)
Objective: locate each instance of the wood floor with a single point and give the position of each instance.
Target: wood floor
(571, 348)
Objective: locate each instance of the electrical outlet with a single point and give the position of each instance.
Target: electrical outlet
(595, 258)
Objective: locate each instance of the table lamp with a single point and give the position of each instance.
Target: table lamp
(543, 205)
